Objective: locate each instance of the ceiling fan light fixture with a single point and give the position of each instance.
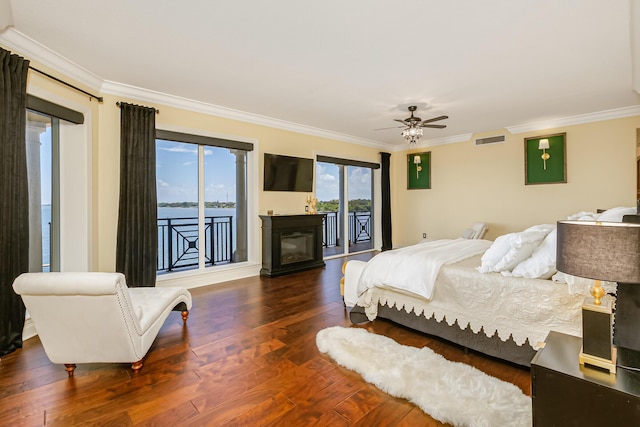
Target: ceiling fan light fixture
(412, 134)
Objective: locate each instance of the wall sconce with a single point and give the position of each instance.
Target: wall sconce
(544, 146)
(417, 161)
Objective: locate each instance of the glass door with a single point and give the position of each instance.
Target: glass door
(360, 215)
(345, 196)
(42, 145)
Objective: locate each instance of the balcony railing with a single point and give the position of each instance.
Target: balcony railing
(359, 228)
(178, 243)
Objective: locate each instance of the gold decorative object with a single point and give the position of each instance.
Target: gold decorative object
(544, 146)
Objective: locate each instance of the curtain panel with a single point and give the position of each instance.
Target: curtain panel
(387, 241)
(14, 197)
(137, 235)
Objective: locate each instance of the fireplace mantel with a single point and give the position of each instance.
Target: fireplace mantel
(291, 243)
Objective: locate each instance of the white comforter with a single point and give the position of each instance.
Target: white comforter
(415, 268)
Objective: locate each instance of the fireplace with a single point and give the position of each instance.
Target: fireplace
(291, 243)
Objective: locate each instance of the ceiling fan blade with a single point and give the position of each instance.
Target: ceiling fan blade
(401, 121)
(433, 126)
(435, 119)
(392, 127)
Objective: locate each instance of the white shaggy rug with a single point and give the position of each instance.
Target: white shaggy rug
(450, 392)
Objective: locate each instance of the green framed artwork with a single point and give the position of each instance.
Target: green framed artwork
(419, 170)
(545, 159)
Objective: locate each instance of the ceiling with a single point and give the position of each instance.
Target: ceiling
(350, 67)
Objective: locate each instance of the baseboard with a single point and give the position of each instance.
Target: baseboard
(196, 278)
(29, 330)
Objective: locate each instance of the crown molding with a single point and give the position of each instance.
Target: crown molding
(617, 113)
(137, 93)
(34, 51)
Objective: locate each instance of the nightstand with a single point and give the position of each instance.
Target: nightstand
(564, 393)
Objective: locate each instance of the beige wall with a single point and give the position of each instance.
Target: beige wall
(486, 183)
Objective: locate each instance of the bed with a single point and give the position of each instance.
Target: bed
(499, 298)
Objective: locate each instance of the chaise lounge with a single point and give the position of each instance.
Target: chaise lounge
(95, 317)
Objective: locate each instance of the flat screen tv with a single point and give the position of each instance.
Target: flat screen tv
(286, 173)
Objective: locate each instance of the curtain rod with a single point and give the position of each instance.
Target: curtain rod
(157, 111)
(98, 98)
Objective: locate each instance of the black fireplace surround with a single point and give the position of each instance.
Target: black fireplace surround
(291, 243)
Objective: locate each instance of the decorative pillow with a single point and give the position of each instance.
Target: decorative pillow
(509, 250)
(468, 233)
(615, 214)
(542, 263)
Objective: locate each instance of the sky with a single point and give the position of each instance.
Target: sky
(177, 173)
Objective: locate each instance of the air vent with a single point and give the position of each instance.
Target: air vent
(491, 140)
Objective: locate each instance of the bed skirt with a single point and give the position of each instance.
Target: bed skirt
(494, 346)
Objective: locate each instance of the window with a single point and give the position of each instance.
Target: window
(202, 201)
(344, 189)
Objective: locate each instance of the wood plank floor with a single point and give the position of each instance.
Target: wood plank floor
(247, 357)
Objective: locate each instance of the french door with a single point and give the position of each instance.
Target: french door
(344, 189)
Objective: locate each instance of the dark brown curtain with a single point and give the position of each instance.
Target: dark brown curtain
(137, 244)
(14, 197)
(387, 242)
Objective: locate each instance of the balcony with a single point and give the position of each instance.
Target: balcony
(359, 234)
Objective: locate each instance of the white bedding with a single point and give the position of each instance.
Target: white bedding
(415, 268)
(525, 309)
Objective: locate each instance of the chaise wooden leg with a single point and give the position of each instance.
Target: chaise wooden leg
(136, 366)
(185, 315)
(70, 367)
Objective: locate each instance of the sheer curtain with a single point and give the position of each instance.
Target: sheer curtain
(14, 196)
(137, 235)
(387, 242)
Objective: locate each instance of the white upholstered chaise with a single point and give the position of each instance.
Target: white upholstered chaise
(95, 318)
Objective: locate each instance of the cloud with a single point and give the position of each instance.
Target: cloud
(180, 148)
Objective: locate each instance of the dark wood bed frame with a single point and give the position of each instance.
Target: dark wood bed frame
(494, 346)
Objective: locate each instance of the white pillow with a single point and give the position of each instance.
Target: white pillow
(509, 250)
(615, 214)
(542, 263)
(582, 216)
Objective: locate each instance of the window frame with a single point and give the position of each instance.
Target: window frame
(201, 142)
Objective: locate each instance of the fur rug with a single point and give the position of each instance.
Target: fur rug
(450, 392)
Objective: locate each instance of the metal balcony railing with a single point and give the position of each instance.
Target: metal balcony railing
(359, 228)
(178, 242)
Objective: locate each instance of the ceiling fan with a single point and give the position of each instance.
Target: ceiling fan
(414, 121)
(413, 126)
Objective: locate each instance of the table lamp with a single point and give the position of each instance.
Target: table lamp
(607, 251)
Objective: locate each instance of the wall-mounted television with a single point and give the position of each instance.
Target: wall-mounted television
(286, 173)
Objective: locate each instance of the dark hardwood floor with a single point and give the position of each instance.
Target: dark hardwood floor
(247, 357)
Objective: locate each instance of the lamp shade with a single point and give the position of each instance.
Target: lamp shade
(608, 251)
(543, 144)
